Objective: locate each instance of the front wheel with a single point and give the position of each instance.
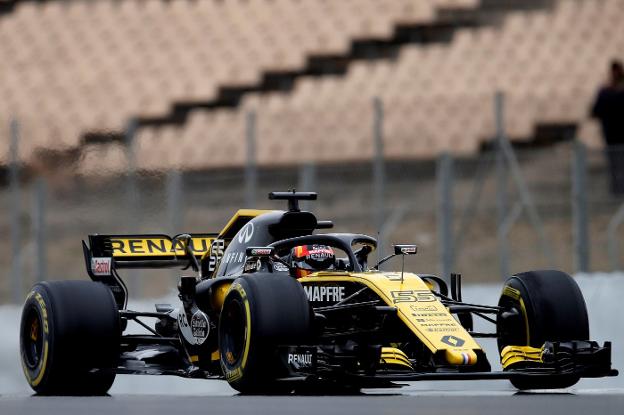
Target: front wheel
(69, 338)
(540, 306)
(260, 312)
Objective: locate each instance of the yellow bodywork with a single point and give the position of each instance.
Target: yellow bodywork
(219, 291)
(418, 308)
(511, 355)
(241, 216)
(393, 357)
(156, 246)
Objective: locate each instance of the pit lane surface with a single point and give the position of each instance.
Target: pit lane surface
(603, 402)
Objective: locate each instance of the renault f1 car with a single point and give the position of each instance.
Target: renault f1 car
(253, 315)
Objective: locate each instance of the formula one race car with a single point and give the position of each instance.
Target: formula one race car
(274, 307)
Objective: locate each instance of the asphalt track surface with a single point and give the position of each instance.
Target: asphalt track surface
(154, 395)
(389, 402)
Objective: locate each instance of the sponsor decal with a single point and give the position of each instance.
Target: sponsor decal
(245, 234)
(101, 266)
(154, 246)
(393, 276)
(427, 323)
(182, 319)
(452, 341)
(252, 265)
(216, 253)
(197, 331)
(320, 252)
(412, 296)
(300, 357)
(430, 315)
(234, 257)
(278, 266)
(405, 249)
(300, 360)
(409, 250)
(415, 307)
(442, 329)
(261, 251)
(200, 326)
(324, 293)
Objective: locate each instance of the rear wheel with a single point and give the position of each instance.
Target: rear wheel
(541, 306)
(260, 312)
(69, 338)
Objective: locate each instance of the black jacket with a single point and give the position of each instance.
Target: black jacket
(609, 109)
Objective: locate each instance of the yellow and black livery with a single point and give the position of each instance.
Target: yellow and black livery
(245, 317)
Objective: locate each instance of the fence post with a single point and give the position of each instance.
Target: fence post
(378, 171)
(502, 197)
(444, 180)
(251, 171)
(16, 229)
(612, 240)
(132, 200)
(175, 213)
(523, 191)
(510, 161)
(580, 216)
(132, 196)
(307, 181)
(39, 228)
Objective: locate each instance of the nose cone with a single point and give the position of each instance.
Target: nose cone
(461, 357)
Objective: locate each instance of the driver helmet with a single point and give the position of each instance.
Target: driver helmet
(306, 259)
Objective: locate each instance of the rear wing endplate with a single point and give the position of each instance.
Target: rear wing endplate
(105, 254)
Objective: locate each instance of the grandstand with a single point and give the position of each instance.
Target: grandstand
(76, 72)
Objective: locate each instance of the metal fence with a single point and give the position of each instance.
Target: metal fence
(485, 216)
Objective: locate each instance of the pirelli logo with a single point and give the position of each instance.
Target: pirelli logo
(511, 292)
(157, 247)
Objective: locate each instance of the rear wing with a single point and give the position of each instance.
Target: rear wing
(148, 250)
(105, 254)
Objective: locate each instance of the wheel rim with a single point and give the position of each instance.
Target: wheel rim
(32, 338)
(233, 325)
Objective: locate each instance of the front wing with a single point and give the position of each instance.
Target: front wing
(583, 359)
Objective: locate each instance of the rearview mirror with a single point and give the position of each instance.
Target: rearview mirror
(405, 249)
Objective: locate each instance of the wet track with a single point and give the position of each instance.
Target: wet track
(404, 401)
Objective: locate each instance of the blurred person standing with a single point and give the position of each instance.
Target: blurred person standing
(609, 110)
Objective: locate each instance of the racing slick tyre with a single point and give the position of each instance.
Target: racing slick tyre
(70, 338)
(260, 312)
(546, 306)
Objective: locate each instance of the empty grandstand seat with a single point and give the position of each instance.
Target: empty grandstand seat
(75, 67)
